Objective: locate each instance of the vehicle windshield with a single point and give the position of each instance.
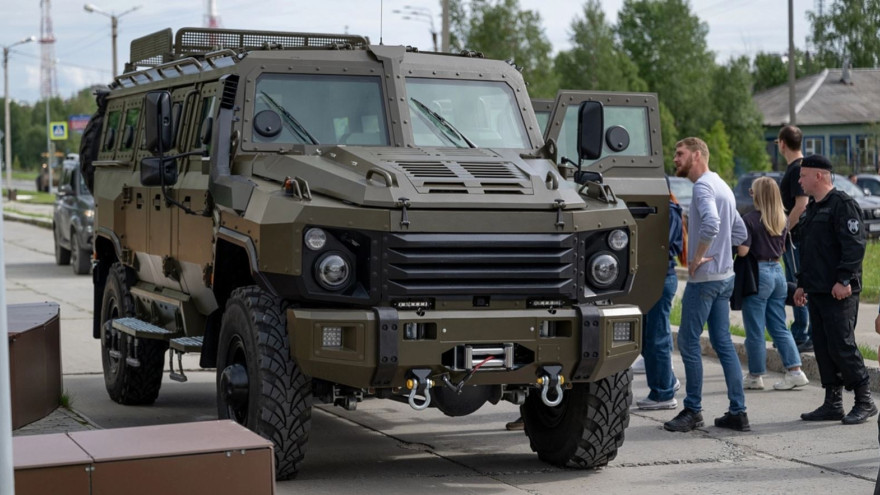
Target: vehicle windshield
(319, 109)
(848, 187)
(483, 113)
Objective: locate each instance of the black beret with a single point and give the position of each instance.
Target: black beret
(816, 161)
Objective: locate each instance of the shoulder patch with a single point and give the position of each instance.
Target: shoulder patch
(853, 225)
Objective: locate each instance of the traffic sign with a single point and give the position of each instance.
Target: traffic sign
(59, 131)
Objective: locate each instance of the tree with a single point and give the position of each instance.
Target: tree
(741, 118)
(771, 69)
(847, 31)
(668, 44)
(595, 61)
(720, 154)
(501, 30)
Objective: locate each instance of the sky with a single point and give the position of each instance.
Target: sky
(83, 51)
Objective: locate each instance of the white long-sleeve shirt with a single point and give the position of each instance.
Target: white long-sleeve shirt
(713, 218)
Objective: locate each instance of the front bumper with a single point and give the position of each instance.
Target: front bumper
(379, 347)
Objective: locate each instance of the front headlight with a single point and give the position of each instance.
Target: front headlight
(89, 213)
(603, 269)
(332, 272)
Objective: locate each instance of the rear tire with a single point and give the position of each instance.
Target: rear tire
(259, 385)
(586, 429)
(126, 384)
(62, 254)
(81, 259)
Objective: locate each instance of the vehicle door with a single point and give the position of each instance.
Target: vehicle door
(631, 163)
(65, 205)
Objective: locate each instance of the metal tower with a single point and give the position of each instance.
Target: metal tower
(212, 18)
(48, 79)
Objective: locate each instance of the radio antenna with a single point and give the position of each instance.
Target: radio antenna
(381, 19)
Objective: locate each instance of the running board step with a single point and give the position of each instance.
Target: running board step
(141, 329)
(179, 346)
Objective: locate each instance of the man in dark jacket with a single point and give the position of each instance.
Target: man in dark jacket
(830, 277)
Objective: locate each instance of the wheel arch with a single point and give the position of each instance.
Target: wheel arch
(107, 251)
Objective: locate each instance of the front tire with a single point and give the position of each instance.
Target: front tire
(586, 429)
(259, 385)
(62, 254)
(126, 384)
(80, 258)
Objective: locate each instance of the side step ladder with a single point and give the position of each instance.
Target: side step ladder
(180, 346)
(140, 330)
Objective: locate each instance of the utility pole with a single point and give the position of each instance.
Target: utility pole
(792, 114)
(114, 27)
(444, 30)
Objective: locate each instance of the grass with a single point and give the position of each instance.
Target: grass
(33, 197)
(871, 273)
(65, 400)
(24, 174)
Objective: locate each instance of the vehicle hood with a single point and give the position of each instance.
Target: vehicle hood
(426, 177)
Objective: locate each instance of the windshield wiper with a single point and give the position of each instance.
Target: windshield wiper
(438, 119)
(291, 121)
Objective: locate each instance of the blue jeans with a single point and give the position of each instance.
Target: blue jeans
(767, 309)
(709, 302)
(657, 345)
(800, 329)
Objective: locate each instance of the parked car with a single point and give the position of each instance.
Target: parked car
(870, 205)
(683, 189)
(73, 220)
(869, 182)
(741, 190)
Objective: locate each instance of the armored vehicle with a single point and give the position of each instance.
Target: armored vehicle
(322, 219)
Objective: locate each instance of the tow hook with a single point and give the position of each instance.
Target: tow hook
(419, 386)
(551, 377)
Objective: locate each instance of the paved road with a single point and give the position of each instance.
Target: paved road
(386, 447)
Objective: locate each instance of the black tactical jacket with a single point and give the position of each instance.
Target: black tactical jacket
(832, 244)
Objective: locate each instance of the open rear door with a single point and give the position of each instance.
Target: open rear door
(632, 164)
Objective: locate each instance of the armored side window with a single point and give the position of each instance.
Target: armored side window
(129, 128)
(113, 120)
(626, 132)
(176, 111)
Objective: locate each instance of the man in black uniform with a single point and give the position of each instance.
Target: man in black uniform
(830, 276)
(794, 200)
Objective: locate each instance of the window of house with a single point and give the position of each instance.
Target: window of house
(866, 154)
(813, 146)
(839, 155)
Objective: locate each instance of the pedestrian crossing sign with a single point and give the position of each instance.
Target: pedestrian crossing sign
(59, 131)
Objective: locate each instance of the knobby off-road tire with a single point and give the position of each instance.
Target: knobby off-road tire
(259, 385)
(126, 384)
(586, 429)
(80, 258)
(62, 254)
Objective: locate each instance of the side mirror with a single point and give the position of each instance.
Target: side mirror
(158, 125)
(158, 171)
(591, 129)
(65, 190)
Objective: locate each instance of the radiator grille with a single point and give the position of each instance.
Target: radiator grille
(474, 264)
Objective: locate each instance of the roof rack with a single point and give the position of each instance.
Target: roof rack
(156, 49)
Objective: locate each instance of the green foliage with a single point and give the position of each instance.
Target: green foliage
(771, 69)
(741, 118)
(596, 62)
(669, 136)
(28, 123)
(501, 30)
(668, 44)
(847, 31)
(871, 273)
(720, 154)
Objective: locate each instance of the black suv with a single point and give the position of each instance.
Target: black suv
(870, 205)
(73, 220)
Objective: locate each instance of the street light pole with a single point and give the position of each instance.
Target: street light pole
(422, 14)
(7, 157)
(114, 26)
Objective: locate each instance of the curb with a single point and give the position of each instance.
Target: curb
(774, 361)
(40, 221)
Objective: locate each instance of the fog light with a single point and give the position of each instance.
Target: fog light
(617, 239)
(622, 331)
(315, 239)
(331, 337)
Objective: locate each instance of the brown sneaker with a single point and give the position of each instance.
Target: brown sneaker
(515, 425)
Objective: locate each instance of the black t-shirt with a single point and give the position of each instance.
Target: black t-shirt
(761, 244)
(790, 188)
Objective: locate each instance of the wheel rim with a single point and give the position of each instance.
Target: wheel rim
(111, 339)
(235, 383)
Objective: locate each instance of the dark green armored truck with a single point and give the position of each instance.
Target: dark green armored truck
(322, 219)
